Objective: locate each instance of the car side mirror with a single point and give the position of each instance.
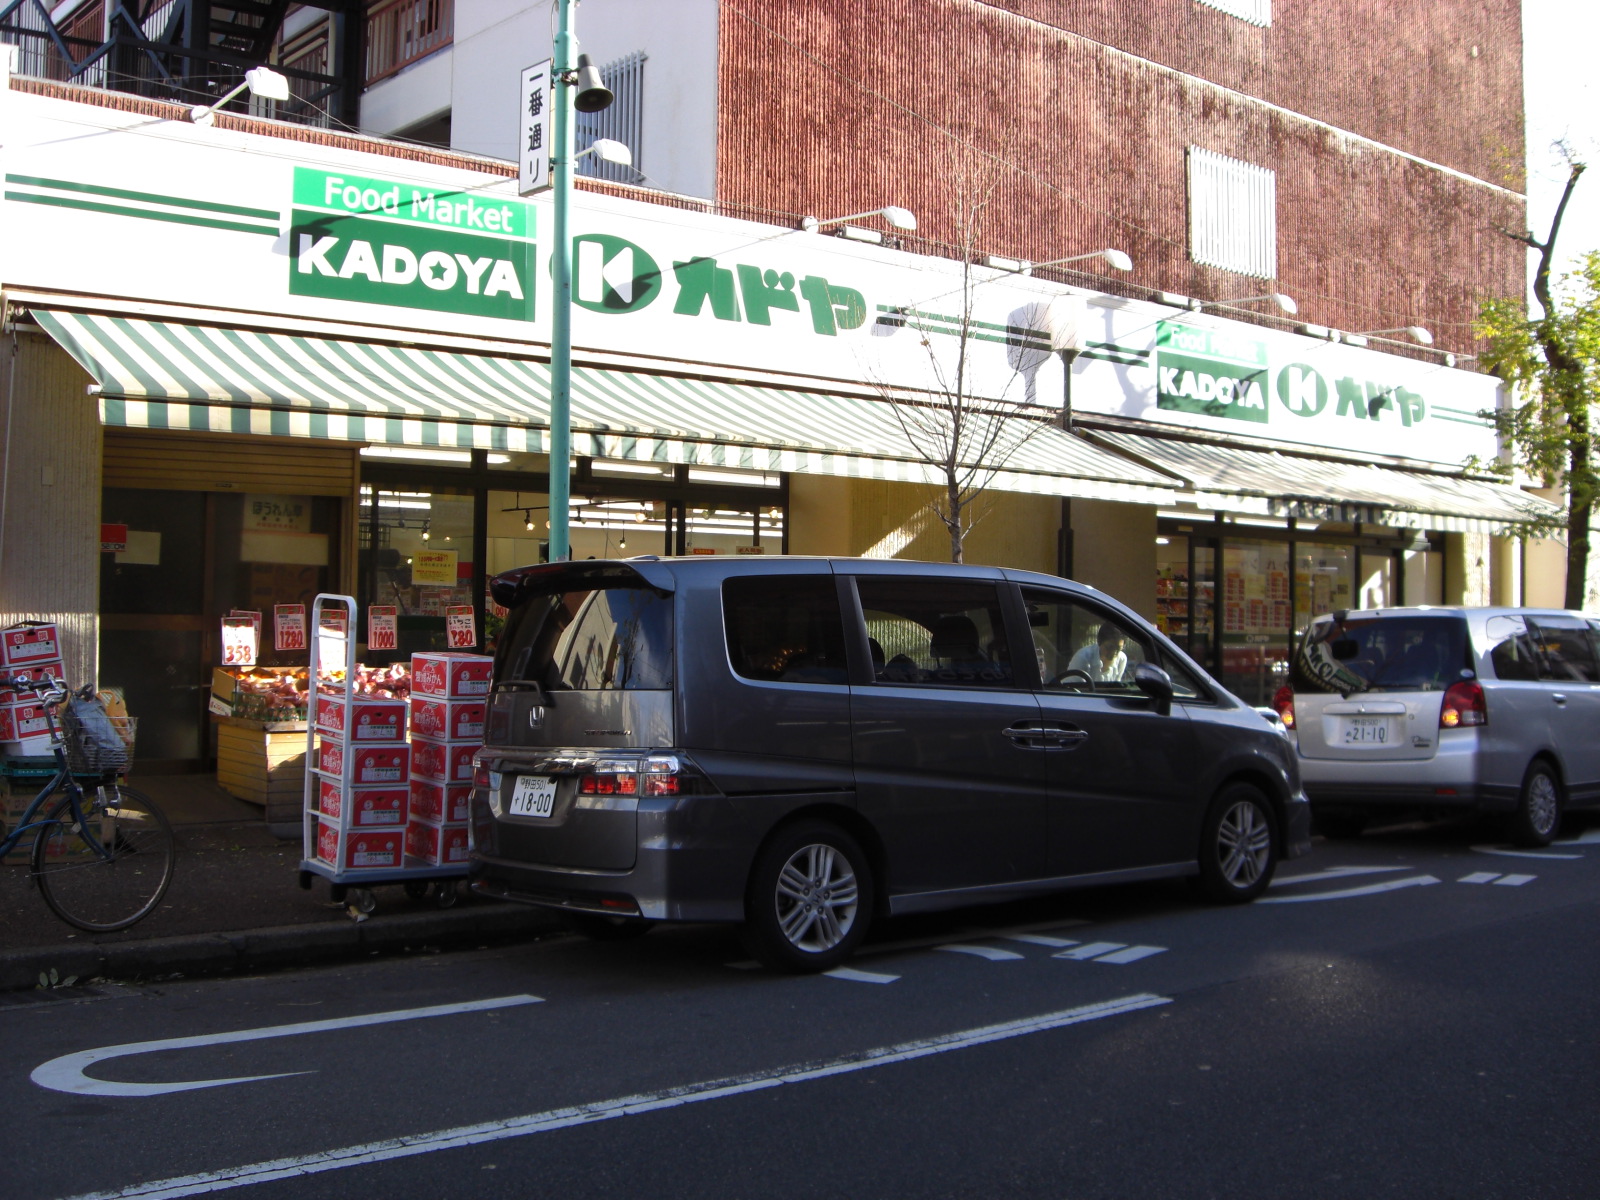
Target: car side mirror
(1155, 683)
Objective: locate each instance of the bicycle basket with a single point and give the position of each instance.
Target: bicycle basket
(96, 742)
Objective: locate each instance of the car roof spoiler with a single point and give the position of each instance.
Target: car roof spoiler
(510, 588)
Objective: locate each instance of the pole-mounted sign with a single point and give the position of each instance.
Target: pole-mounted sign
(533, 154)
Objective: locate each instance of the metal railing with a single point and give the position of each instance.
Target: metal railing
(402, 31)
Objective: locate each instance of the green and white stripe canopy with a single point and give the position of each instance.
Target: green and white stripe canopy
(165, 374)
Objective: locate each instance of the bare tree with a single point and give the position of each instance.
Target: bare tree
(967, 438)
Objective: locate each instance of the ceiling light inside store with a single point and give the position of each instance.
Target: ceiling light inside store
(629, 468)
(423, 454)
(748, 478)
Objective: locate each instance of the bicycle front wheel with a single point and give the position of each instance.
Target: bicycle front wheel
(121, 883)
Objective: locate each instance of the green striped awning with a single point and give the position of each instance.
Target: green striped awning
(159, 374)
(1273, 483)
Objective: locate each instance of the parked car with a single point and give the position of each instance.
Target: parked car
(1493, 710)
(800, 744)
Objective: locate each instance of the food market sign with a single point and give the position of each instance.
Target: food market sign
(230, 221)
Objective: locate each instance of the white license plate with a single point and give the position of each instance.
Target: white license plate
(533, 796)
(1361, 730)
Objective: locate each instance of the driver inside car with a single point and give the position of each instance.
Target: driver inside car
(1105, 661)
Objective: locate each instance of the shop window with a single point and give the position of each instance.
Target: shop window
(785, 629)
(1255, 618)
(1233, 221)
(1186, 594)
(930, 632)
(416, 552)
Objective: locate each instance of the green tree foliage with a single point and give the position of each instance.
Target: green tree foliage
(1550, 361)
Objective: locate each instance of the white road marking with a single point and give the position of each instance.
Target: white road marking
(856, 976)
(1131, 954)
(1329, 873)
(1514, 880)
(65, 1074)
(625, 1106)
(1040, 939)
(1480, 877)
(992, 953)
(1092, 950)
(1507, 852)
(1372, 889)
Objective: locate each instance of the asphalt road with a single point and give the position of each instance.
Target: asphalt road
(1359, 1033)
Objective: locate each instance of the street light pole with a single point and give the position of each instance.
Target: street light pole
(561, 301)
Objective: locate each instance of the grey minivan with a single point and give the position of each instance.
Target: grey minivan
(1493, 710)
(800, 744)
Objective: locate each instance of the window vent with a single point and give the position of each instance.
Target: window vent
(1257, 12)
(1233, 216)
(622, 122)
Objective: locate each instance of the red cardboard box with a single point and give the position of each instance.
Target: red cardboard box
(364, 719)
(26, 645)
(451, 675)
(24, 728)
(364, 766)
(361, 807)
(447, 762)
(437, 845)
(447, 720)
(360, 849)
(441, 803)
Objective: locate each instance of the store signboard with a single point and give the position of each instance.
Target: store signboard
(277, 514)
(351, 237)
(434, 568)
(113, 538)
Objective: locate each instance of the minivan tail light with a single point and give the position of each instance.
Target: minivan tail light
(657, 775)
(1464, 704)
(1283, 701)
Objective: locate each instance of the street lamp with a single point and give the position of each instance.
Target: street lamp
(577, 88)
(1282, 303)
(262, 81)
(1115, 259)
(900, 218)
(1415, 332)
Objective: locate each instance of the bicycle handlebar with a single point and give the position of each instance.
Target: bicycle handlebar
(50, 689)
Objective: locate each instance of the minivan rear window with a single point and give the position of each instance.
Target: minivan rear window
(616, 638)
(1398, 653)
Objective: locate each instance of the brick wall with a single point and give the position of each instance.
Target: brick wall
(835, 106)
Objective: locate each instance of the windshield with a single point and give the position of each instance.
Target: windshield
(612, 638)
(1361, 654)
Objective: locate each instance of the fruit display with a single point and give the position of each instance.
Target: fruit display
(280, 693)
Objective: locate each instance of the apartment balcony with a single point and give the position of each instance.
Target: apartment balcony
(401, 32)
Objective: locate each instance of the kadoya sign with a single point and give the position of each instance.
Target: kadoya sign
(266, 225)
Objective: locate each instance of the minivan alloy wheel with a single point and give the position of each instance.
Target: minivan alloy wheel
(1238, 845)
(1538, 813)
(810, 898)
(817, 898)
(1244, 843)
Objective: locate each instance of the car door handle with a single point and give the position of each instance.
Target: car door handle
(1559, 697)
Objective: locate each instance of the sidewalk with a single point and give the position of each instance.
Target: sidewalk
(235, 904)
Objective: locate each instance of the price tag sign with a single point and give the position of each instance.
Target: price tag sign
(331, 647)
(289, 626)
(240, 638)
(460, 627)
(382, 627)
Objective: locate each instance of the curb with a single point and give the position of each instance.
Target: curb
(206, 954)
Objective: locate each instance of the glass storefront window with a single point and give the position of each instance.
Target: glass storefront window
(1255, 618)
(416, 554)
(1324, 579)
(1186, 593)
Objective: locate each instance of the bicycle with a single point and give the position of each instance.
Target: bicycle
(102, 858)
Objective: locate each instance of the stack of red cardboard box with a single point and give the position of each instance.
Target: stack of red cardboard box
(31, 651)
(360, 782)
(449, 696)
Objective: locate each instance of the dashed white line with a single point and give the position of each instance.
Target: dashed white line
(855, 976)
(1507, 852)
(1131, 954)
(625, 1106)
(1040, 939)
(1372, 889)
(1514, 880)
(1092, 950)
(1480, 877)
(992, 953)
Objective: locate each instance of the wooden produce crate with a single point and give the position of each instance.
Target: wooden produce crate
(263, 763)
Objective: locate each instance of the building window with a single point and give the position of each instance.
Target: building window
(1233, 218)
(1257, 12)
(622, 122)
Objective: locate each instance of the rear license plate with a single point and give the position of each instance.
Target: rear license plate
(533, 796)
(1365, 730)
